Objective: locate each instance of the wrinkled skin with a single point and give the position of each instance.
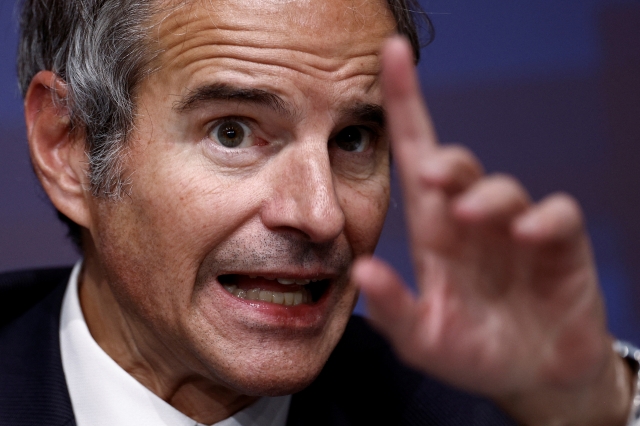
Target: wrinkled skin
(288, 202)
(509, 303)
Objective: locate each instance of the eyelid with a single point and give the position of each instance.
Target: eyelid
(374, 130)
(372, 138)
(243, 120)
(367, 127)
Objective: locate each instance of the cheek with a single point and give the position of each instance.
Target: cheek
(162, 230)
(186, 207)
(365, 205)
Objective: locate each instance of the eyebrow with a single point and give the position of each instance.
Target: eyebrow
(365, 113)
(360, 112)
(225, 92)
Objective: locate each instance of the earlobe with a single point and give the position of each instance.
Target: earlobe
(57, 153)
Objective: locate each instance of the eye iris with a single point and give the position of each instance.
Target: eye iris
(230, 134)
(349, 139)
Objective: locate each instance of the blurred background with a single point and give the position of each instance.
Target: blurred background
(546, 90)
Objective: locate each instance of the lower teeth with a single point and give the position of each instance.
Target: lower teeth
(287, 299)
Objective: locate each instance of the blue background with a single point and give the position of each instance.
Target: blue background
(547, 90)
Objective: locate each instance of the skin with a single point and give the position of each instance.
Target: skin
(509, 303)
(288, 203)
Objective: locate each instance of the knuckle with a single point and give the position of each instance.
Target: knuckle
(463, 157)
(507, 187)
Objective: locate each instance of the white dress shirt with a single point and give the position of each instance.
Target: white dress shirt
(103, 394)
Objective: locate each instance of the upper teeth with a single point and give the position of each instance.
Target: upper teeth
(302, 295)
(289, 281)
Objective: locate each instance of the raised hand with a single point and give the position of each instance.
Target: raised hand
(509, 304)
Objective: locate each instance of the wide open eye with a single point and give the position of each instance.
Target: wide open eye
(353, 139)
(231, 134)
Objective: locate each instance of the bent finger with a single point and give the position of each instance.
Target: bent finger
(495, 199)
(555, 219)
(452, 168)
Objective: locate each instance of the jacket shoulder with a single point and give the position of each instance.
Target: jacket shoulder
(20, 290)
(33, 389)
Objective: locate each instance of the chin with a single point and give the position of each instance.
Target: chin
(273, 376)
(269, 360)
(276, 386)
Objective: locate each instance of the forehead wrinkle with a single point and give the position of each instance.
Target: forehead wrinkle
(195, 39)
(270, 63)
(248, 37)
(351, 91)
(309, 15)
(239, 43)
(258, 29)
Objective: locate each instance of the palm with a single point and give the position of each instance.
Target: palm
(495, 316)
(508, 299)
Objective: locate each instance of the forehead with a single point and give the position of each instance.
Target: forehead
(309, 21)
(332, 31)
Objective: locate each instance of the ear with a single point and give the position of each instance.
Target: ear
(57, 154)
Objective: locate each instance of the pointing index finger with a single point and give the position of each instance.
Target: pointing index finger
(409, 121)
(410, 128)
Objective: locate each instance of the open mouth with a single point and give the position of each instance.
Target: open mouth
(277, 290)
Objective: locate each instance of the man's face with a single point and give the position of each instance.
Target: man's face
(259, 170)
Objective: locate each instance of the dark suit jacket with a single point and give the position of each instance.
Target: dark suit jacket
(361, 384)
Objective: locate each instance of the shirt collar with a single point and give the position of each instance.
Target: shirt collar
(104, 394)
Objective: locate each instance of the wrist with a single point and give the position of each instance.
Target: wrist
(631, 355)
(606, 400)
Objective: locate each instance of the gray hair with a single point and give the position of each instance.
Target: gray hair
(101, 50)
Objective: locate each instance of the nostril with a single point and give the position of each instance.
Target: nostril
(320, 220)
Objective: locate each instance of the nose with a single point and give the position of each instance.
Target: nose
(304, 194)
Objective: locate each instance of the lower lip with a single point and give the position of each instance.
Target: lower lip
(300, 316)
